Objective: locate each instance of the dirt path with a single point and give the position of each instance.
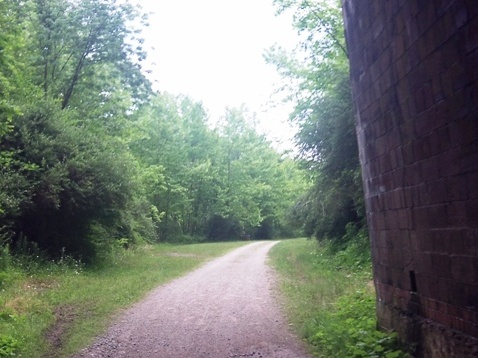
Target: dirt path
(224, 309)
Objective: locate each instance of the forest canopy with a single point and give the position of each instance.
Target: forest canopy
(91, 156)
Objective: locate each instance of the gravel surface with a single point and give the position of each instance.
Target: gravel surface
(227, 308)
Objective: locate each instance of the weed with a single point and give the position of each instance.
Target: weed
(8, 346)
(329, 299)
(349, 330)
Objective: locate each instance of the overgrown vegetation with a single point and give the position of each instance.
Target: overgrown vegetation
(317, 81)
(330, 298)
(92, 161)
(53, 308)
(91, 156)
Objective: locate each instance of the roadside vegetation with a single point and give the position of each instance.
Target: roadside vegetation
(328, 279)
(91, 156)
(53, 308)
(98, 171)
(330, 299)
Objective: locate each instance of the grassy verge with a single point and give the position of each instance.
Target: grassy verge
(54, 309)
(330, 298)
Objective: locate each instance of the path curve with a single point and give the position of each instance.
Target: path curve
(226, 308)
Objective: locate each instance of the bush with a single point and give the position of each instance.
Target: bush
(349, 330)
(75, 179)
(8, 346)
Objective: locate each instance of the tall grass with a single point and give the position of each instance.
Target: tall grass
(53, 309)
(329, 298)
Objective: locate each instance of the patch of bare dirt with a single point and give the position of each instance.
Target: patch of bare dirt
(227, 308)
(64, 318)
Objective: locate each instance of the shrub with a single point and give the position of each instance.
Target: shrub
(8, 346)
(349, 330)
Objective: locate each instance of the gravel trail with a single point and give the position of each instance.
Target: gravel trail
(226, 308)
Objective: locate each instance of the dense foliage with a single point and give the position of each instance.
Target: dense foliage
(318, 83)
(90, 155)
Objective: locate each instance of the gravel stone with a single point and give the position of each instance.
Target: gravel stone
(227, 308)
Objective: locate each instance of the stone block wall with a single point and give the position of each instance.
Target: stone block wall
(414, 73)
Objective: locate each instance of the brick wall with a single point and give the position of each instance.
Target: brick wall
(414, 72)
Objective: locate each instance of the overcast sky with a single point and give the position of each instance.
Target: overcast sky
(212, 51)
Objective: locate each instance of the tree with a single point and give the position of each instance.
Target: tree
(13, 83)
(89, 155)
(220, 183)
(172, 139)
(76, 181)
(75, 41)
(65, 180)
(324, 114)
(254, 184)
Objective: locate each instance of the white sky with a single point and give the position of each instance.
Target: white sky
(212, 51)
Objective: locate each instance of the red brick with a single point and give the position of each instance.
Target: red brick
(469, 315)
(423, 262)
(457, 213)
(472, 185)
(412, 175)
(457, 324)
(459, 107)
(421, 148)
(461, 17)
(430, 313)
(400, 277)
(456, 188)
(442, 265)
(450, 53)
(472, 213)
(439, 141)
(427, 240)
(430, 170)
(425, 196)
(450, 162)
(444, 241)
(407, 253)
(438, 217)
(438, 191)
(457, 296)
(471, 292)
(454, 310)
(471, 329)
(432, 303)
(420, 218)
(405, 219)
(414, 241)
(433, 287)
(417, 99)
(466, 243)
(441, 117)
(444, 288)
(464, 269)
(381, 238)
(471, 39)
(443, 318)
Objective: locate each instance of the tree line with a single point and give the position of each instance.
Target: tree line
(91, 156)
(317, 80)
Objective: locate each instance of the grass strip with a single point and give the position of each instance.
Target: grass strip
(329, 298)
(55, 309)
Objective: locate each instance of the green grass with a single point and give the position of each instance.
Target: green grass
(330, 300)
(55, 309)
